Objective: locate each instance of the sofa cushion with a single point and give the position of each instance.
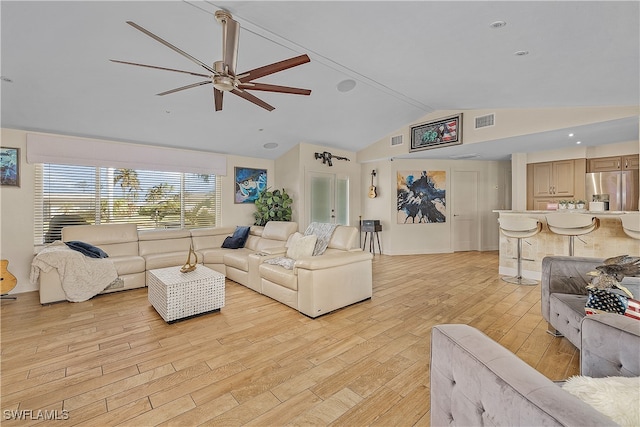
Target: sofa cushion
(238, 239)
(279, 230)
(344, 238)
(301, 246)
(238, 259)
(279, 275)
(167, 259)
(128, 264)
(213, 255)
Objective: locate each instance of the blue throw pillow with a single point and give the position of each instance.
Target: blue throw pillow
(87, 249)
(238, 239)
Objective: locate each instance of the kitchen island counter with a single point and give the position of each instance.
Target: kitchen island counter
(607, 241)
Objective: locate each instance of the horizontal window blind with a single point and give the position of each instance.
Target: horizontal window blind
(72, 195)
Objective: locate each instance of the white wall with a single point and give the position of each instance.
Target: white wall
(403, 239)
(292, 171)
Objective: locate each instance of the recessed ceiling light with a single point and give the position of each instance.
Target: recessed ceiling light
(270, 145)
(521, 53)
(578, 142)
(570, 135)
(346, 85)
(497, 24)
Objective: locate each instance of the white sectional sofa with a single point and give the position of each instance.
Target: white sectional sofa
(120, 241)
(316, 285)
(320, 284)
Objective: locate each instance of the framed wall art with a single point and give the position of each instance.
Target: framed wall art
(440, 133)
(248, 184)
(421, 196)
(10, 166)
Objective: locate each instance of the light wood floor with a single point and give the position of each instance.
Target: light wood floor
(113, 361)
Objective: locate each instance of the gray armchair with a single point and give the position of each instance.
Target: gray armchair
(475, 381)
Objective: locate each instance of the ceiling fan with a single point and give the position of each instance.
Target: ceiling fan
(223, 73)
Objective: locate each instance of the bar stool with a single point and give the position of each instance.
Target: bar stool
(631, 224)
(572, 225)
(519, 228)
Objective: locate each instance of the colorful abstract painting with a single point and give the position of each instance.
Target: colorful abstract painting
(249, 183)
(9, 166)
(421, 197)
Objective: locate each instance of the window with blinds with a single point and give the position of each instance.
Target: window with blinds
(72, 195)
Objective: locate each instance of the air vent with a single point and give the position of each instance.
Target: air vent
(485, 121)
(396, 140)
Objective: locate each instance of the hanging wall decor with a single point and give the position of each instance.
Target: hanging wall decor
(421, 196)
(249, 183)
(439, 133)
(10, 166)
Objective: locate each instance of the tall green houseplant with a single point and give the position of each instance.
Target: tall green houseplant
(272, 206)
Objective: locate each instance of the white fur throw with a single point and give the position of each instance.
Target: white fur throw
(616, 397)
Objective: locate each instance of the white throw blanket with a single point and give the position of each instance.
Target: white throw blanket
(82, 277)
(324, 232)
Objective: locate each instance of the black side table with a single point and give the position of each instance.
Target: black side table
(370, 228)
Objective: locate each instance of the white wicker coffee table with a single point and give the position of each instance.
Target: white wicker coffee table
(177, 295)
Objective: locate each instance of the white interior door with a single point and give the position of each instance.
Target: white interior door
(329, 198)
(466, 227)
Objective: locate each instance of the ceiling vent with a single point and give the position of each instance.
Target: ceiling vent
(485, 121)
(396, 140)
(464, 156)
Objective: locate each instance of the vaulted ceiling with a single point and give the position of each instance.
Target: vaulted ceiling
(407, 59)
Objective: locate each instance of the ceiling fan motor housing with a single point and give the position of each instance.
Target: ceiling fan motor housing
(223, 81)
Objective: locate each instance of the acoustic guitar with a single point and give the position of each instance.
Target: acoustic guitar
(9, 281)
(372, 189)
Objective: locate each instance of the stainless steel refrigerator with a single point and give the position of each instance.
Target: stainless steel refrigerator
(620, 186)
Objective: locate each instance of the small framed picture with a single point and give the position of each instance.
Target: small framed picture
(10, 166)
(249, 183)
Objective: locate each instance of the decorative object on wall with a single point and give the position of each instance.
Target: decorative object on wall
(10, 166)
(249, 183)
(440, 133)
(421, 196)
(272, 206)
(327, 157)
(372, 189)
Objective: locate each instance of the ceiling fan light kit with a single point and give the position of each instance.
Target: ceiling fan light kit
(223, 74)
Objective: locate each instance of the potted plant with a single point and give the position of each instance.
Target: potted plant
(571, 204)
(272, 206)
(563, 204)
(580, 204)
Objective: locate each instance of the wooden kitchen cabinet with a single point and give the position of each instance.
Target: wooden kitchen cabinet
(550, 182)
(615, 163)
(631, 162)
(553, 179)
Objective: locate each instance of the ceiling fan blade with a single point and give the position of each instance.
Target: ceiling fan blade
(251, 98)
(273, 68)
(217, 98)
(274, 88)
(230, 40)
(170, 46)
(178, 89)
(159, 68)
